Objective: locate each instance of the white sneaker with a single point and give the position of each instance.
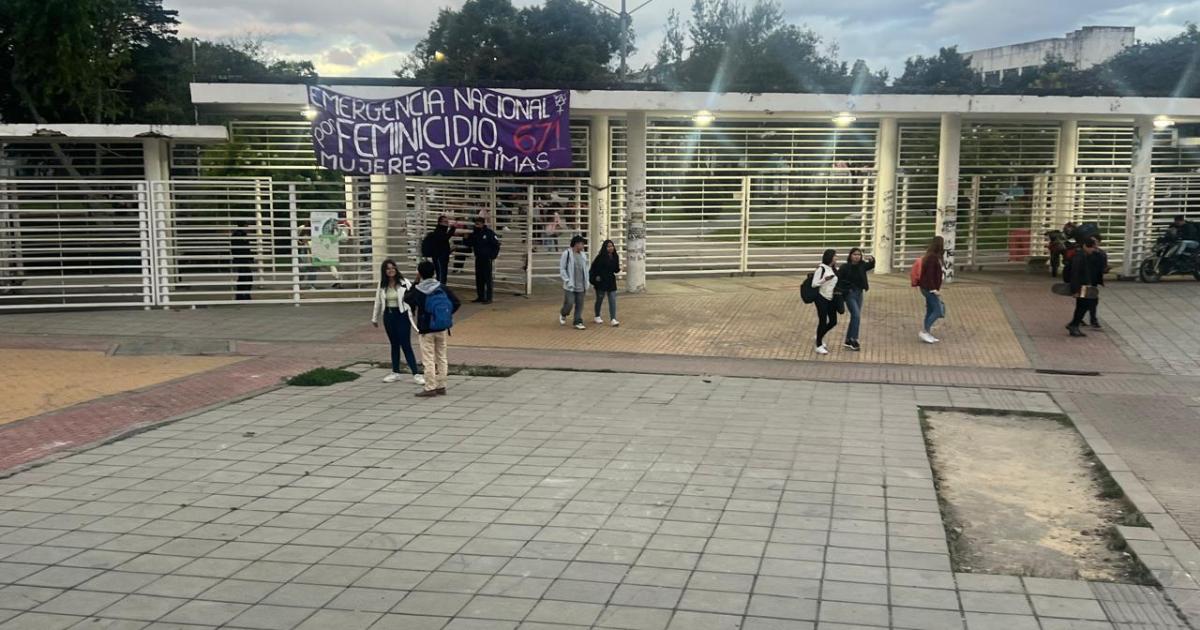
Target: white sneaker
(580, 327)
(821, 349)
(926, 337)
(418, 379)
(598, 320)
(615, 323)
(562, 321)
(391, 378)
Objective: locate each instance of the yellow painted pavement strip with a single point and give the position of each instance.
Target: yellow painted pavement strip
(766, 322)
(34, 381)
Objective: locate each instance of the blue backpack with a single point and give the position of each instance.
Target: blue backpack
(439, 310)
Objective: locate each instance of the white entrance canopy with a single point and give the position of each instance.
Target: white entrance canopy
(109, 133)
(258, 97)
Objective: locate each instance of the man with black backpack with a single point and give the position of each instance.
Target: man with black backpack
(436, 247)
(486, 246)
(435, 305)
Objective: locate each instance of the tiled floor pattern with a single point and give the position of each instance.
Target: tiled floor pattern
(543, 500)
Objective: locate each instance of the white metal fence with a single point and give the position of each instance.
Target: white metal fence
(127, 243)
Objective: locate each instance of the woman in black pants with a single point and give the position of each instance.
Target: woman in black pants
(389, 304)
(825, 280)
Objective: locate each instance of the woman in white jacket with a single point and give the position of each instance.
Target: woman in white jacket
(389, 304)
(825, 280)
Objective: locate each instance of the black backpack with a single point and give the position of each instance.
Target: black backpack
(808, 293)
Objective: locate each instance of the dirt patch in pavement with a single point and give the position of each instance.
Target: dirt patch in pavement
(1021, 495)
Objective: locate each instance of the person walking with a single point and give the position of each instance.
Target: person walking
(825, 279)
(394, 311)
(437, 248)
(486, 245)
(930, 282)
(573, 268)
(853, 278)
(434, 305)
(604, 272)
(1087, 274)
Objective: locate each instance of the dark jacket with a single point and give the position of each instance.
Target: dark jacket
(1188, 231)
(239, 246)
(415, 299)
(931, 274)
(854, 276)
(436, 244)
(1087, 270)
(484, 242)
(604, 272)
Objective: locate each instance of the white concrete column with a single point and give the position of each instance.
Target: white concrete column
(599, 218)
(886, 162)
(947, 191)
(1063, 190)
(1138, 210)
(388, 207)
(635, 203)
(156, 159)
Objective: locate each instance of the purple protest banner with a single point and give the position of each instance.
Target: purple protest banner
(441, 129)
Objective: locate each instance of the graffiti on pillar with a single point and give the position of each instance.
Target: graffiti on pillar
(948, 229)
(885, 221)
(635, 241)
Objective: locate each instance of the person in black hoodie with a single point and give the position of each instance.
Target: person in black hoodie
(852, 278)
(483, 241)
(603, 274)
(436, 247)
(433, 338)
(1087, 274)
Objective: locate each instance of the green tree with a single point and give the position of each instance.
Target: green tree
(948, 72)
(1169, 67)
(561, 41)
(74, 60)
(727, 47)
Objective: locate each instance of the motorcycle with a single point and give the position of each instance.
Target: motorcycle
(1158, 264)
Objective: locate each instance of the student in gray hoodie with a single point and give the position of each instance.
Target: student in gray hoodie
(573, 267)
(429, 302)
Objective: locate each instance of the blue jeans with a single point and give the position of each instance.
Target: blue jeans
(854, 304)
(612, 302)
(933, 308)
(573, 299)
(399, 332)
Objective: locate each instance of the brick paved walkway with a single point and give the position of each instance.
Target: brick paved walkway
(764, 325)
(544, 500)
(35, 438)
(34, 381)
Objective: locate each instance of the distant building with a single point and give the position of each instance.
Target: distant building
(1086, 47)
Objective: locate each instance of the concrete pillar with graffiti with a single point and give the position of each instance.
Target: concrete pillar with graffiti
(949, 144)
(635, 203)
(887, 154)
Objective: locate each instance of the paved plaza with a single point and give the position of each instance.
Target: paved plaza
(542, 500)
(757, 487)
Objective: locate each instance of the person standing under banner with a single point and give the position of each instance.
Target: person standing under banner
(486, 246)
(436, 247)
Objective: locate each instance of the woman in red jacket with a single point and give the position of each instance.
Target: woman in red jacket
(931, 287)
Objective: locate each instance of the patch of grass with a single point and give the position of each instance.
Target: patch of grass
(321, 377)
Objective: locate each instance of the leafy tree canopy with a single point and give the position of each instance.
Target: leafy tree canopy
(725, 46)
(561, 41)
(111, 61)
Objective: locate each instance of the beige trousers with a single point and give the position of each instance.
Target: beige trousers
(433, 355)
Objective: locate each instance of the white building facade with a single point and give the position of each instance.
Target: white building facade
(1086, 47)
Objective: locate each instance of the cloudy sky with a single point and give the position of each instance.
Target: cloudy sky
(371, 37)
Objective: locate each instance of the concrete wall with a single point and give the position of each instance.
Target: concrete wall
(1085, 47)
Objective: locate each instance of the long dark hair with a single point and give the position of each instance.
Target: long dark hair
(603, 254)
(383, 279)
(937, 247)
(850, 255)
(827, 257)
